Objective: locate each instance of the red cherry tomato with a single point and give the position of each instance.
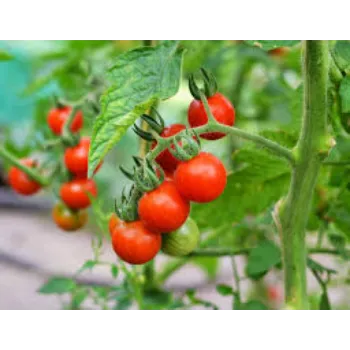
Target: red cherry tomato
(20, 182)
(274, 293)
(58, 116)
(165, 159)
(134, 243)
(76, 158)
(113, 222)
(67, 219)
(201, 179)
(222, 110)
(163, 210)
(74, 193)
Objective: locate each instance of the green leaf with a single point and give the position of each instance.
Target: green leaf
(114, 270)
(341, 54)
(340, 213)
(314, 265)
(139, 78)
(324, 301)
(57, 285)
(208, 264)
(262, 258)
(272, 44)
(5, 56)
(224, 289)
(123, 303)
(252, 305)
(197, 301)
(101, 291)
(79, 297)
(156, 299)
(337, 240)
(344, 92)
(123, 300)
(88, 265)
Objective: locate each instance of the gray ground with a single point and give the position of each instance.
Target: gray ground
(32, 249)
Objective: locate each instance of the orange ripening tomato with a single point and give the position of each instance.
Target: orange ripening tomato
(67, 219)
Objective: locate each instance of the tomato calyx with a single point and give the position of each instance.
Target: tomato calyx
(155, 123)
(126, 209)
(210, 86)
(186, 146)
(146, 175)
(58, 102)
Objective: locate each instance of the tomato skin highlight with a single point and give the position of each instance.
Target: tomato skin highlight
(67, 219)
(112, 223)
(74, 193)
(134, 243)
(58, 116)
(20, 182)
(201, 179)
(163, 210)
(165, 159)
(182, 241)
(222, 110)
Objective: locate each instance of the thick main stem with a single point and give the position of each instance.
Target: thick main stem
(311, 149)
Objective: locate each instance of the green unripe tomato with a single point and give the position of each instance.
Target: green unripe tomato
(182, 241)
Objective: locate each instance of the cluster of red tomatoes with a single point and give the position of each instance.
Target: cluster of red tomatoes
(163, 213)
(68, 213)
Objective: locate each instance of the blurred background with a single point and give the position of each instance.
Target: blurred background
(261, 85)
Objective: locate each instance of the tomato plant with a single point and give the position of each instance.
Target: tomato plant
(254, 164)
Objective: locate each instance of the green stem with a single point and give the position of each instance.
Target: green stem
(310, 151)
(34, 175)
(237, 295)
(337, 162)
(212, 126)
(216, 252)
(149, 268)
(68, 123)
(220, 252)
(321, 234)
